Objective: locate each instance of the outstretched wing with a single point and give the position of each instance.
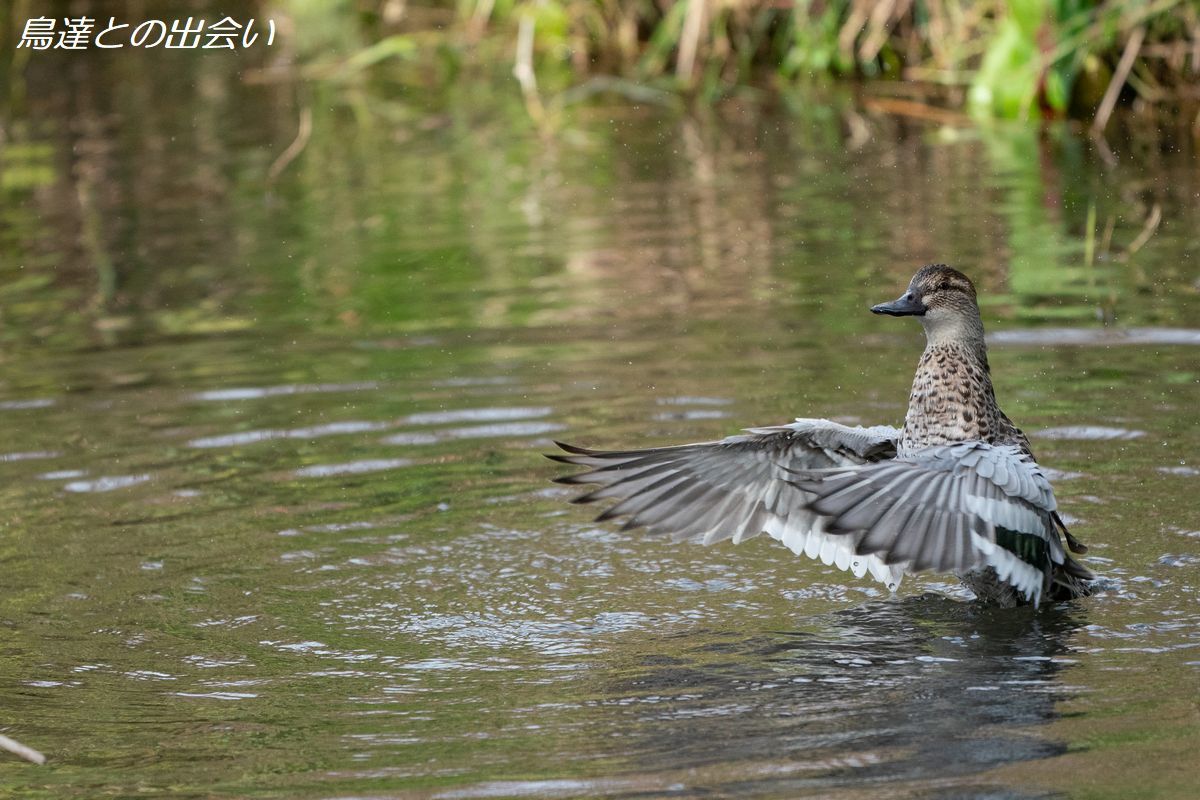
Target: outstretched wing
(738, 487)
(951, 508)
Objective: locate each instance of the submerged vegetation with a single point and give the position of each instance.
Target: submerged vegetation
(1005, 58)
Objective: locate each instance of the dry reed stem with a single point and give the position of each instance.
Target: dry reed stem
(689, 42)
(883, 16)
(24, 751)
(852, 27)
(523, 72)
(1106, 240)
(478, 21)
(294, 149)
(1120, 75)
(1089, 244)
(1148, 229)
(911, 108)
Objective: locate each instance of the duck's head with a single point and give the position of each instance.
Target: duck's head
(942, 298)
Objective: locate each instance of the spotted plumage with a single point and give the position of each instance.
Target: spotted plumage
(952, 399)
(956, 489)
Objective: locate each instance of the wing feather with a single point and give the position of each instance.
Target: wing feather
(737, 487)
(840, 495)
(944, 508)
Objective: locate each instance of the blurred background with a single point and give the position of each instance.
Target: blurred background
(284, 329)
(371, 131)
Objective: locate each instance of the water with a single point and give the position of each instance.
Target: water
(275, 521)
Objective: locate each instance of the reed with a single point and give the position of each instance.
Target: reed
(1005, 58)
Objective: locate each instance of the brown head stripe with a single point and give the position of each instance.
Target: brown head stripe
(940, 277)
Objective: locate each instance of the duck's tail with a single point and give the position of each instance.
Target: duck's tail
(1074, 545)
(1069, 580)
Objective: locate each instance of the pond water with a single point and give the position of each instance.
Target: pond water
(274, 518)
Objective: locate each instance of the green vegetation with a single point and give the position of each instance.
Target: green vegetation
(1005, 58)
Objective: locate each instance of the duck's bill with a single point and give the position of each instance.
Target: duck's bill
(904, 306)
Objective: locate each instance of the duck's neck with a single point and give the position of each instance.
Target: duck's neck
(952, 398)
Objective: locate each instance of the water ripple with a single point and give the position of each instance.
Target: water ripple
(29, 455)
(1097, 336)
(477, 415)
(1089, 432)
(693, 401)
(253, 392)
(63, 474)
(487, 415)
(106, 484)
(20, 405)
(311, 432)
(352, 467)
(691, 415)
(476, 432)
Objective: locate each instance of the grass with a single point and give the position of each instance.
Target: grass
(994, 58)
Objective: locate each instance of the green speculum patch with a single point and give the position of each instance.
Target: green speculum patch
(1028, 547)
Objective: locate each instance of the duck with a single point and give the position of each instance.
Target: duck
(956, 489)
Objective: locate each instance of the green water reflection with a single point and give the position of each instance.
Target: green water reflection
(274, 520)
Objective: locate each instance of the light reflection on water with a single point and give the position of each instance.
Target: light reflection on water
(315, 553)
(922, 687)
(1098, 337)
(452, 599)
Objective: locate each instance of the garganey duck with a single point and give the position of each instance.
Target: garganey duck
(955, 490)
